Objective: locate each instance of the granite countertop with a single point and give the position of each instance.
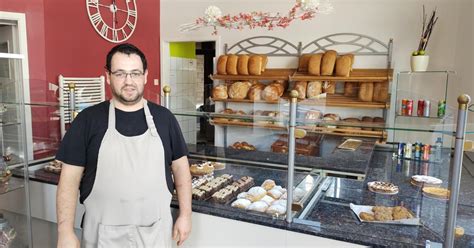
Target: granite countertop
(331, 216)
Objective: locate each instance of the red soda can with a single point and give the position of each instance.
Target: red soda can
(426, 152)
(404, 107)
(409, 107)
(421, 107)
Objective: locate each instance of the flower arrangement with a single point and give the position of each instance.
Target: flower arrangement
(302, 10)
(426, 32)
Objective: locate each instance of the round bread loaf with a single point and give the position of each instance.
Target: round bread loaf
(239, 90)
(220, 92)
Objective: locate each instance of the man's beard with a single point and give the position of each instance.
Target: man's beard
(127, 100)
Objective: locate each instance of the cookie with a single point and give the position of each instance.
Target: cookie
(400, 212)
(366, 216)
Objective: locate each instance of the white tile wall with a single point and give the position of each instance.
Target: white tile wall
(183, 84)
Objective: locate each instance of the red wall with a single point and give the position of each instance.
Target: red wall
(61, 40)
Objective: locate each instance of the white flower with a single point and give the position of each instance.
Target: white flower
(309, 5)
(211, 14)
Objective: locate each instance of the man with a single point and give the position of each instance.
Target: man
(118, 154)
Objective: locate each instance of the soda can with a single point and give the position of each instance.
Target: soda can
(407, 151)
(417, 150)
(404, 107)
(441, 108)
(426, 110)
(421, 107)
(401, 147)
(426, 152)
(409, 110)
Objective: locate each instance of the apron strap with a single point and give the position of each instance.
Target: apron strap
(149, 120)
(111, 114)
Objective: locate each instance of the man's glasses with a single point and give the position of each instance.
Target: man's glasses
(123, 75)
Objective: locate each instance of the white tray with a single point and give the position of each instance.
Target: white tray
(364, 208)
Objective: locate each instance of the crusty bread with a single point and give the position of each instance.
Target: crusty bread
(264, 62)
(231, 67)
(220, 92)
(351, 88)
(243, 64)
(328, 62)
(222, 65)
(255, 92)
(239, 90)
(329, 87)
(314, 89)
(366, 91)
(301, 86)
(380, 92)
(271, 93)
(255, 65)
(314, 64)
(303, 62)
(343, 66)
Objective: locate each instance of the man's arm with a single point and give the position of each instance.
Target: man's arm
(66, 201)
(182, 181)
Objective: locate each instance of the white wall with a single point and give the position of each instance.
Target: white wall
(450, 46)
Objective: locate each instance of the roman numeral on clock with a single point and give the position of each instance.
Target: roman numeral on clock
(104, 30)
(115, 35)
(96, 19)
(125, 36)
(130, 25)
(93, 3)
(132, 13)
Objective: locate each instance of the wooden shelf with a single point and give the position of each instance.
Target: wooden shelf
(332, 100)
(357, 75)
(310, 129)
(269, 74)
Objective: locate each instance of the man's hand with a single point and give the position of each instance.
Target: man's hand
(68, 240)
(182, 229)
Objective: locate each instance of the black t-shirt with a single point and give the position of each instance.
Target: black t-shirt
(81, 143)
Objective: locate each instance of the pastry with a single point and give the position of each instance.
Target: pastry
(312, 115)
(259, 206)
(200, 170)
(256, 193)
(304, 62)
(366, 216)
(384, 215)
(276, 209)
(198, 194)
(366, 91)
(268, 184)
(314, 89)
(298, 194)
(422, 180)
(255, 92)
(218, 165)
(383, 187)
(54, 166)
(244, 183)
(241, 203)
(281, 202)
(314, 64)
(275, 193)
(220, 92)
(239, 90)
(222, 65)
(279, 188)
(328, 62)
(458, 232)
(242, 195)
(280, 87)
(231, 66)
(271, 93)
(331, 117)
(351, 88)
(243, 146)
(300, 86)
(380, 92)
(255, 65)
(268, 199)
(243, 65)
(400, 213)
(435, 192)
(343, 66)
(329, 87)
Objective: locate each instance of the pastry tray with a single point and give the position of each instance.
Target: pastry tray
(350, 144)
(357, 209)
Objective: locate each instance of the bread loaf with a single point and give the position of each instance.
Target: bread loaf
(367, 120)
(303, 62)
(356, 121)
(255, 92)
(231, 66)
(329, 87)
(328, 62)
(351, 88)
(239, 90)
(264, 62)
(282, 82)
(222, 65)
(314, 64)
(280, 87)
(380, 92)
(366, 91)
(314, 89)
(243, 65)
(331, 117)
(270, 93)
(300, 86)
(343, 66)
(220, 92)
(255, 65)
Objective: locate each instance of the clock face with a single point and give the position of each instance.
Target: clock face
(114, 20)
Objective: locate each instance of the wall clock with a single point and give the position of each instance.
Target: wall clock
(113, 20)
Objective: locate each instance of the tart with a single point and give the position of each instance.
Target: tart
(425, 181)
(435, 192)
(383, 187)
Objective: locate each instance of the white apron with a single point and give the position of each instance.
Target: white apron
(129, 205)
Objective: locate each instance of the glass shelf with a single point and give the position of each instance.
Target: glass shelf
(11, 185)
(6, 124)
(424, 117)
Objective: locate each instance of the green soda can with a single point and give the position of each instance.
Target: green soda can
(441, 108)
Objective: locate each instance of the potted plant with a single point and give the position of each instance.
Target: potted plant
(419, 59)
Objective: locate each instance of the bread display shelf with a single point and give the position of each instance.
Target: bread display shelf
(311, 129)
(332, 100)
(268, 74)
(357, 75)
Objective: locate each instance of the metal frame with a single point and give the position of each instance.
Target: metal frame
(245, 47)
